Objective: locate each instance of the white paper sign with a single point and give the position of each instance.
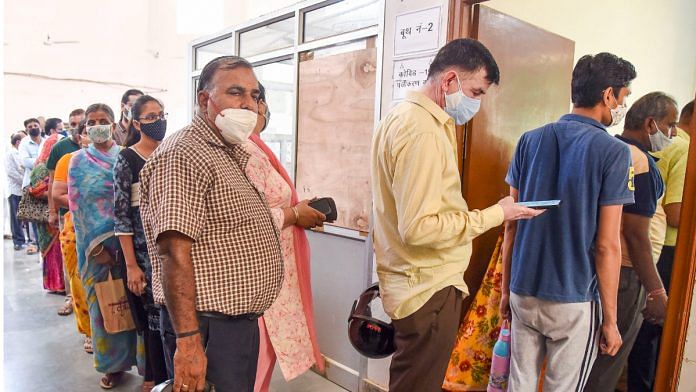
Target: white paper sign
(410, 74)
(417, 31)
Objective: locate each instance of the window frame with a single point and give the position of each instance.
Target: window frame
(297, 11)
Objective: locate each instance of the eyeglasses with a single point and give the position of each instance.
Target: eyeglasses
(154, 117)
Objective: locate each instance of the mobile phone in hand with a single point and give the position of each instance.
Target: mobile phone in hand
(326, 206)
(541, 204)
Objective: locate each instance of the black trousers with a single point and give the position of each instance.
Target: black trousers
(231, 344)
(15, 224)
(642, 361)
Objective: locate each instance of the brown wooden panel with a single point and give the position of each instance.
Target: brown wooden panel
(335, 113)
(535, 67)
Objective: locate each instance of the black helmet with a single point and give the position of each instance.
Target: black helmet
(372, 338)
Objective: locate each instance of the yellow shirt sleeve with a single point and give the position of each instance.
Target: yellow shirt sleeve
(674, 183)
(418, 182)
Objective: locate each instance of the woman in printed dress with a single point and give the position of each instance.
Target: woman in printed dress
(286, 329)
(91, 200)
(149, 121)
(48, 241)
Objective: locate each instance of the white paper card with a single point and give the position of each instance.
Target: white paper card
(410, 74)
(417, 31)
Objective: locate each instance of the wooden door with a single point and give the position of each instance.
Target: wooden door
(535, 68)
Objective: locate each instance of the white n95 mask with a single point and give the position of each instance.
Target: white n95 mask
(236, 125)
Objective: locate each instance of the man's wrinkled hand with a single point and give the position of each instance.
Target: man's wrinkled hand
(190, 364)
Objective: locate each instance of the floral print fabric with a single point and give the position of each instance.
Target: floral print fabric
(470, 363)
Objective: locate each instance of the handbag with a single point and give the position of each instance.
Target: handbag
(32, 209)
(114, 305)
(168, 386)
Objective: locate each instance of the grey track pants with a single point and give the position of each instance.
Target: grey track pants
(567, 334)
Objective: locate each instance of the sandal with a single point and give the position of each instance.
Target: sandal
(67, 307)
(148, 385)
(32, 250)
(110, 380)
(88, 345)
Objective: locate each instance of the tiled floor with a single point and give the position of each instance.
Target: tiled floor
(43, 351)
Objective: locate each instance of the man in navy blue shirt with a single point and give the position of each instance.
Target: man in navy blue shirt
(560, 266)
(639, 277)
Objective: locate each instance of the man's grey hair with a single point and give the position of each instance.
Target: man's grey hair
(655, 105)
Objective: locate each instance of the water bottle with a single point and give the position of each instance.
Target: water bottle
(500, 364)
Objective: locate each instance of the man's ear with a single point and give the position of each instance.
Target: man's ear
(202, 99)
(446, 78)
(607, 97)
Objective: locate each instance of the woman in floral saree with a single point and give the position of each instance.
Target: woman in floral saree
(91, 199)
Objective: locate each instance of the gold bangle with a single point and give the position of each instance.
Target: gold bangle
(297, 214)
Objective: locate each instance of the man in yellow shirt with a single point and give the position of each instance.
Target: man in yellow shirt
(672, 165)
(423, 227)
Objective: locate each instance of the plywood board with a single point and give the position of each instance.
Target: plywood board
(336, 103)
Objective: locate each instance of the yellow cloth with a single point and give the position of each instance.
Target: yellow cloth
(672, 165)
(69, 250)
(658, 229)
(469, 365)
(422, 226)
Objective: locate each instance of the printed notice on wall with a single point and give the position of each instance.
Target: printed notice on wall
(410, 74)
(417, 31)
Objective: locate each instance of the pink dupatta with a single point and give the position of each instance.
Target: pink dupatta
(302, 254)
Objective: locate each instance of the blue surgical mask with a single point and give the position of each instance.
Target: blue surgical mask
(658, 140)
(460, 107)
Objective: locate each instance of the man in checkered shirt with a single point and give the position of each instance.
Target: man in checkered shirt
(216, 256)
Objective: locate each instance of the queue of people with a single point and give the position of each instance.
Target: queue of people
(207, 232)
(215, 196)
(579, 282)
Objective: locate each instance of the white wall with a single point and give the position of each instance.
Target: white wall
(657, 37)
(124, 44)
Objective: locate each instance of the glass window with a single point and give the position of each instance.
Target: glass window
(278, 79)
(212, 50)
(341, 17)
(277, 35)
(195, 95)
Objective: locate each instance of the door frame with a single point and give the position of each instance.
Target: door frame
(672, 345)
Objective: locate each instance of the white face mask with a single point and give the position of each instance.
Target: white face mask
(659, 141)
(99, 133)
(236, 125)
(618, 113)
(461, 107)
